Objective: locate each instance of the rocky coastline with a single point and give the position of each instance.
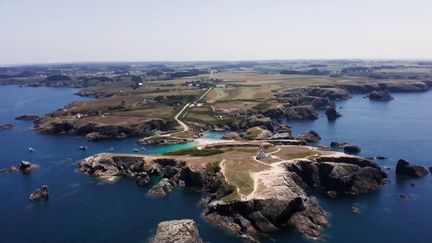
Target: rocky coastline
(284, 204)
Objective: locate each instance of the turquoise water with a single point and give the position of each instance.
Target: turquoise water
(81, 209)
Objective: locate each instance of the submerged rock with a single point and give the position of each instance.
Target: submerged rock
(6, 126)
(405, 168)
(27, 118)
(177, 231)
(39, 194)
(380, 95)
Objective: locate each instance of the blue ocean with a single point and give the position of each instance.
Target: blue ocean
(82, 209)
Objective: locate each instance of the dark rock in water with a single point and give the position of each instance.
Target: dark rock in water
(27, 118)
(177, 231)
(380, 95)
(403, 196)
(310, 137)
(6, 126)
(39, 194)
(405, 168)
(26, 166)
(161, 189)
(381, 157)
(352, 149)
(430, 169)
(142, 178)
(332, 114)
(334, 144)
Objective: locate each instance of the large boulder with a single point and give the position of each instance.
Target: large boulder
(380, 95)
(177, 231)
(39, 194)
(405, 168)
(310, 137)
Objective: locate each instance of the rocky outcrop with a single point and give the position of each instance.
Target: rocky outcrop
(27, 118)
(281, 203)
(6, 126)
(177, 231)
(95, 136)
(301, 112)
(39, 194)
(380, 95)
(333, 93)
(340, 175)
(94, 130)
(405, 168)
(404, 86)
(161, 189)
(332, 114)
(310, 137)
(109, 167)
(163, 140)
(359, 88)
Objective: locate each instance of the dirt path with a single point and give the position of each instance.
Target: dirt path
(182, 124)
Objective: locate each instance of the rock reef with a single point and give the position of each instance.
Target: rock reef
(39, 194)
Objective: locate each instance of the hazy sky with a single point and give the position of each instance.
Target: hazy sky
(35, 31)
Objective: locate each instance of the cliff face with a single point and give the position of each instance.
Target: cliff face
(96, 131)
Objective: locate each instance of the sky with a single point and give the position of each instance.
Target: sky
(48, 31)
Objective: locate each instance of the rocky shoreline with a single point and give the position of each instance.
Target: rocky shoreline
(285, 203)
